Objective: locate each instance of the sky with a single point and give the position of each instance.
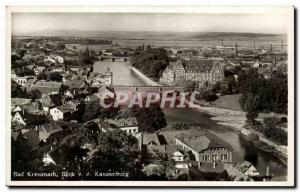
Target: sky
(172, 22)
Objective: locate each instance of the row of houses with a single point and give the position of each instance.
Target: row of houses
(197, 153)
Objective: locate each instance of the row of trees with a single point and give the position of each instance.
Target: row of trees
(271, 93)
(152, 61)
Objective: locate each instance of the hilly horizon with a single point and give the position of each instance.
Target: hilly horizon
(143, 34)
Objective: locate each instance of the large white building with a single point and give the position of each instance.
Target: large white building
(199, 71)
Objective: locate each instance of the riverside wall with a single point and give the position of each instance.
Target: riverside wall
(144, 78)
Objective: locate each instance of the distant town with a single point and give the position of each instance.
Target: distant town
(60, 131)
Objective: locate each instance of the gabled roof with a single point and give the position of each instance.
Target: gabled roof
(171, 149)
(32, 138)
(19, 101)
(243, 167)
(151, 139)
(45, 130)
(198, 65)
(122, 122)
(65, 108)
(202, 141)
(15, 135)
(75, 83)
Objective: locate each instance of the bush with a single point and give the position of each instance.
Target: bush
(252, 137)
(208, 96)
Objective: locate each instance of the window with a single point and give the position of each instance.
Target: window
(205, 158)
(214, 157)
(224, 157)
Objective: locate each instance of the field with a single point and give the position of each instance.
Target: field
(229, 102)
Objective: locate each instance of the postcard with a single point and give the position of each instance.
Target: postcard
(150, 96)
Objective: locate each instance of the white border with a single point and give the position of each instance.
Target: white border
(253, 10)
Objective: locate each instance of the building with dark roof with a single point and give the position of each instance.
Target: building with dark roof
(200, 71)
(205, 147)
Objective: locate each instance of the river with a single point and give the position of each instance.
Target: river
(122, 75)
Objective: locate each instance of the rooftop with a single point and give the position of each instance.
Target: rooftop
(122, 122)
(202, 141)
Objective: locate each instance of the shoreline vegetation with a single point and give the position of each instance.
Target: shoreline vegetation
(236, 120)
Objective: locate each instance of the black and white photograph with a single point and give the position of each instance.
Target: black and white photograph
(161, 96)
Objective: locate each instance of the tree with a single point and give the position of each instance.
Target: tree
(249, 104)
(42, 76)
(217, 87)
(190, 86)
(151, 61)
(150, 119)
(208, 95)
(17, 91)
(163, 168)
(118, 152)
(35, 94)
(91, 111)
(55, 76)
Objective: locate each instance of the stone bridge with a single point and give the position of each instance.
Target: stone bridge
(159, 89)
(113, 58)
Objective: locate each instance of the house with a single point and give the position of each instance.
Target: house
(180, 157)
(105, 93)
(39, 69)
(15, 102)
(75, 84)
(18, 118)
(98, 80)
(79, 67)
(152, 142)
(62, 112)
(73, 104)
(59, 69)
(59, 59)
(52, 156)
(49, 59)
(22, 80)
(47, 87)
(17, 108)
(31, 138)
(49, 132)
(33, 107)
(50, 101)
(205, 147)
(247, 169)
(129, 125)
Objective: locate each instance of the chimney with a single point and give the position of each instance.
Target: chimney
(271, 49)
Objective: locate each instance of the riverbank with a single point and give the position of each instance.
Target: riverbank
(144, 78)
(236, 120)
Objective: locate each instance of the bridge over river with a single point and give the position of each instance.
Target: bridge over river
(157, 89)
(113, 58)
